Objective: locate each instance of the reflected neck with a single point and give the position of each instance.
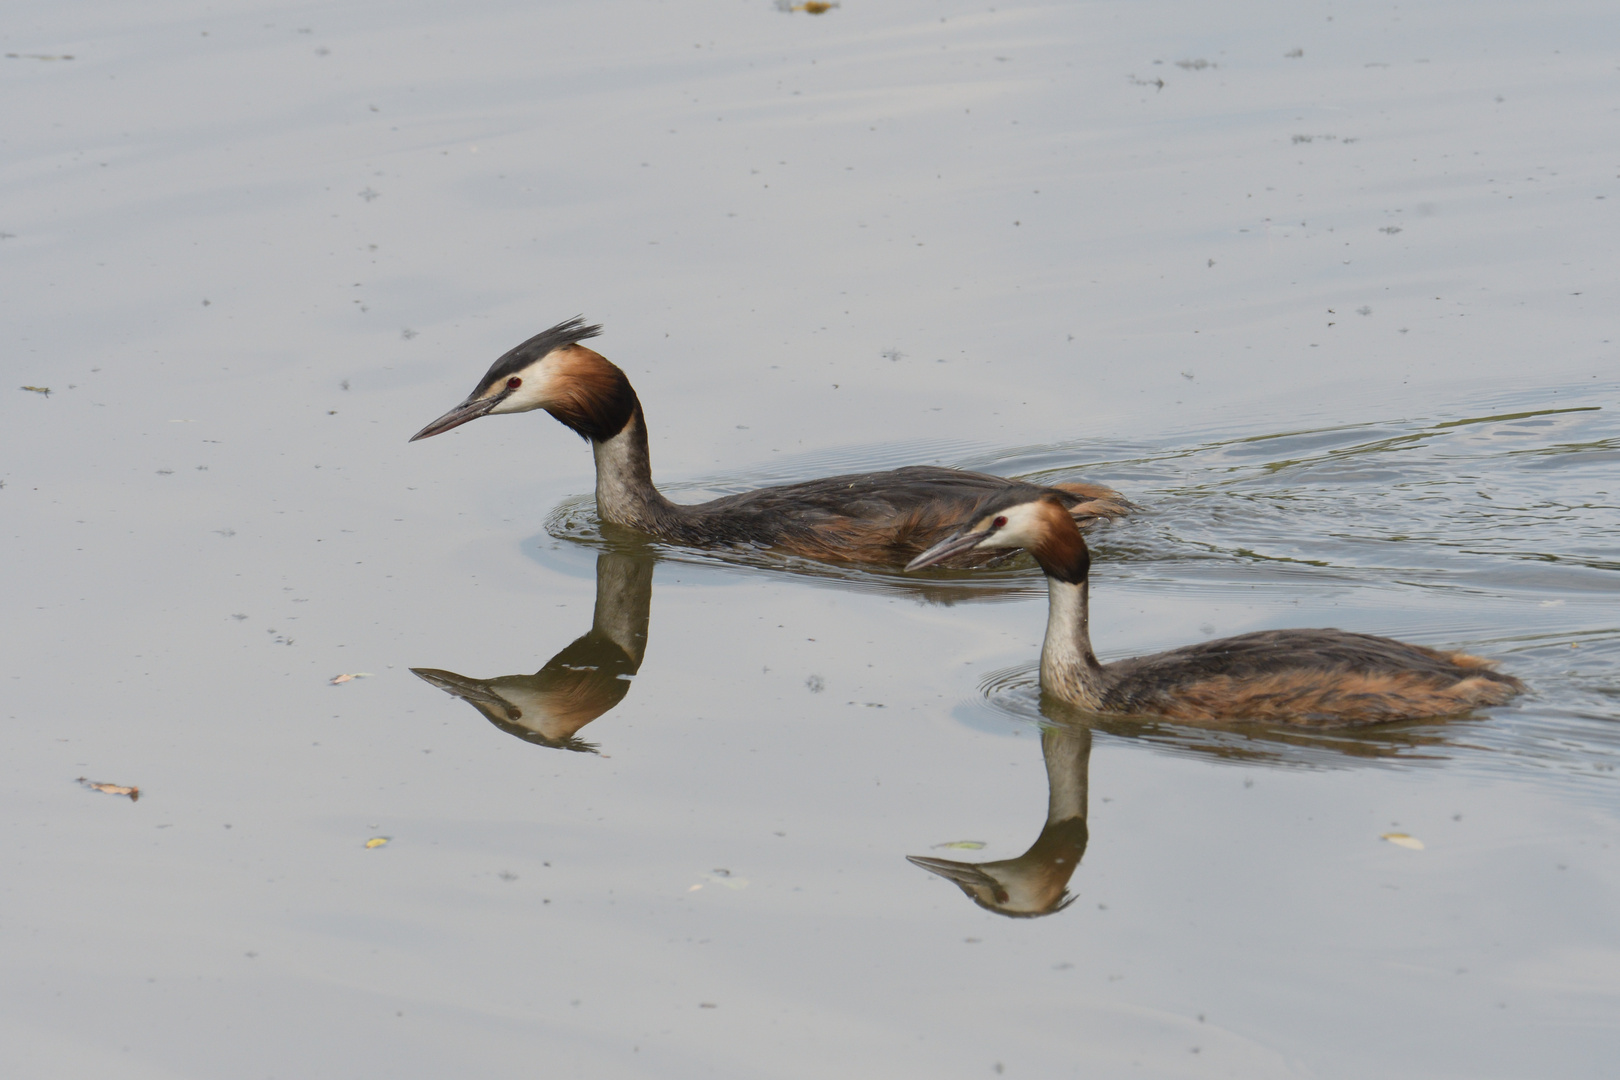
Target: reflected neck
(1067, 752)
(624, 603)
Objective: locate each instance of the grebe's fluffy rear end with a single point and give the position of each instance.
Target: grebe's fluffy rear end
(1316, 678)
(877, 517)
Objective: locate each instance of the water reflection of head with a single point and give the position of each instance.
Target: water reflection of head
(1036, 882)
(584, 680)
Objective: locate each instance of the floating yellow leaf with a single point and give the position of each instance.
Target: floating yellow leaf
(1400, 839)
(815, 7)
(134, 793)
(378, 841)
(39, 390)
(338, 680)
(962, 845)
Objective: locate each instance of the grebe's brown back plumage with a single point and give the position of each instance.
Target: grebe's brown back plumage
(878, 517)
(1316, 678)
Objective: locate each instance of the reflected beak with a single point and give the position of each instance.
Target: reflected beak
(943, 550)
(471, 409)
(470, 690)
(965, 874)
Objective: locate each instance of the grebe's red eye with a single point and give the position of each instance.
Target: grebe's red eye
(513, 383)
(999, 522)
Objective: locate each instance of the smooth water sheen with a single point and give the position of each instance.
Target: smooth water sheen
(1329, 292)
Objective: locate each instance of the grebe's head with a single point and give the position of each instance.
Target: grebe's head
(551, 371)
(1043, 525)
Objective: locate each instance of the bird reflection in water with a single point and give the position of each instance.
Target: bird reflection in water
(582, 682)
(1036, 882)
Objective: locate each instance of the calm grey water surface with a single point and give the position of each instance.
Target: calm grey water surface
(1329, 291)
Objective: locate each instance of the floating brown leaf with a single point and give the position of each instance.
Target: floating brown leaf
(134, 793)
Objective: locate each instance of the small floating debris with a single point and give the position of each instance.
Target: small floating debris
(134, 793)
(809, 7)
(339, 680)
(961, 845)
(38, 390)
(721, 876)
(1400, 839)
(377, 841)
(38, 56)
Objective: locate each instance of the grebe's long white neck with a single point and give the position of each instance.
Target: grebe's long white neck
(1069, 669)
(625, 493)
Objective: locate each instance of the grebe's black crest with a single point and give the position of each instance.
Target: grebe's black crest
(569, 332)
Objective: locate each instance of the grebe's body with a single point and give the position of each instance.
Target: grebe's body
(1314, 678)
(879, 517)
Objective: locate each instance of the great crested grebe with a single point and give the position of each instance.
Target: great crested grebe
(878, 517)
(1313, 678)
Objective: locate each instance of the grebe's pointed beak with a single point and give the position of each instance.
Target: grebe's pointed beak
(952, 545)
(471, 409)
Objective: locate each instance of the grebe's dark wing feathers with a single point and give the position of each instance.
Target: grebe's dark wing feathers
(1330, 677)
(1267, 650)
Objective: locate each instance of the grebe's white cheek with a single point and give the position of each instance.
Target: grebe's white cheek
(530, 393)
(1022, 529)
(1004, 538)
